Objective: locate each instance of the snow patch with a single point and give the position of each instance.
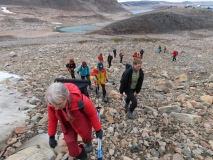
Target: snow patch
(4, 9)
(10, 103)
(56, 22)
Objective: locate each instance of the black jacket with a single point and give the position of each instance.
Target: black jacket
(109, 58)
(127, 80)
(71, 65)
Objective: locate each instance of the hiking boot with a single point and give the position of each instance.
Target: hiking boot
(105, 99)
(126, 108)
(68, 158)
(130, 114)
(83, 154)
(89, 147)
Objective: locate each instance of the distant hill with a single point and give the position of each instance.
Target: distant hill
(73, 5)
(162, 21)
(161, 4)
(145, 3)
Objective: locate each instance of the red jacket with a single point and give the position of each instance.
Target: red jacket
(100, 58)
(81, 120)
(175, 53)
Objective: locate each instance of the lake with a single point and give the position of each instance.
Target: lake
(210, 7)
(140, 11)
(75, 29)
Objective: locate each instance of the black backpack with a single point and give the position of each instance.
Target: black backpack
(127, 66)
(81, 84)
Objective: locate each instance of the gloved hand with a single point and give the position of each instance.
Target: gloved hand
(107, 80)
(52, 142)
(99, 134)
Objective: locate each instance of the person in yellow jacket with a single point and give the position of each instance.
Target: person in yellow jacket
(100, 77)
(164, 49)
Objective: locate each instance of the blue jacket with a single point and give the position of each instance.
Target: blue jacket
(83, 71)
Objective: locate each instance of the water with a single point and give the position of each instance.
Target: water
(140, 11)
(211, 7)
(75, 29)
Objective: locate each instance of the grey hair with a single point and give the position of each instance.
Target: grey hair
(56, 93)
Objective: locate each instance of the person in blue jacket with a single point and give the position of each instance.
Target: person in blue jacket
(84, 72)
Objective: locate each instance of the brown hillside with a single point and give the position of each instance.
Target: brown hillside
(72, 5)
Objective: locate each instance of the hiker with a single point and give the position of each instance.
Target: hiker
(141, 52)
(84, 72)
(100, 77)
(114, 51)
(71, 67)
(64, 101)
(136, 55)
(100, 58)
(159, 49)
(121, 56)
(164, 49)
(131, 83)
(109, 60)
(174, 55)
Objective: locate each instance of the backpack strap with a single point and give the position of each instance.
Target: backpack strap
(80, 68)
(81, 105)
(87, 69)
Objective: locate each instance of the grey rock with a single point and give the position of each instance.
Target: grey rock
(187, 118)
(169, 109)
(154, 153)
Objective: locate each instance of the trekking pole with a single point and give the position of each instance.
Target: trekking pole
(124, 100)
(99, 140)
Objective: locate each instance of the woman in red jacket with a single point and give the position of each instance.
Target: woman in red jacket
(174, 55)
(77, 116)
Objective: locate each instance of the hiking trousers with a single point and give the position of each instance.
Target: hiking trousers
(109, 62)
(73, 74)
(87, 76)
(114, 55)
(103, 89)
(121, 58)
(131, 97)
(71, 139)
(174, 58)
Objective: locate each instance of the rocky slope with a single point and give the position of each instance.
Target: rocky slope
(162, 21)
(71, 5)
(174, 115)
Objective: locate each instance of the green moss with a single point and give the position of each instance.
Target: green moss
(153, 40)
(117, 39)
(83, 41)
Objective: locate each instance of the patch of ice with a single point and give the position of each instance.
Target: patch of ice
(10, 102)
(56, 22)
(4, 9)
(4, 75)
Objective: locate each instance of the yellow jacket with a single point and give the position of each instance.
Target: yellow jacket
(99, 77)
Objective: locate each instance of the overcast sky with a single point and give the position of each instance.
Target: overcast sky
(167, 0)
